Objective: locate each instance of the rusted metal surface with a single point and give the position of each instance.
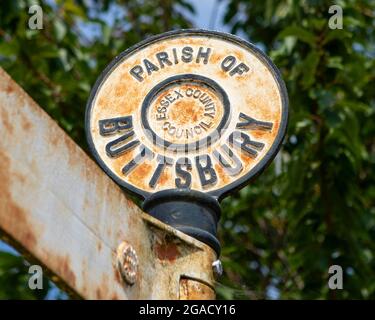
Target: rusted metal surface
(204, 103)
(195, 290)
(59, 207)
(175, 256)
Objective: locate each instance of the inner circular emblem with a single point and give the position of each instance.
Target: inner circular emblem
(190, 109)
(185, 112)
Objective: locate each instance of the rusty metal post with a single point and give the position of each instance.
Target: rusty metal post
(195, 290)
(62, 212)
(182, 119)
(183, 264)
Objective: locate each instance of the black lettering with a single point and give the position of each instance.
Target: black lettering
(197, 94)
(240, 69)
(161, 116)
(169, 97)
(150, 67)
(121, 145)
(232, 170)
(228, 63)
(163, 58)
(184, 176)
(209, 106)
(243, 141)
(164, 103)
(197, 130)
(187, 54)
(251, 123)
(136, 72)
(162, 163)
(161, 109)
(113, 125)
(207, 174)
(205, 125)
(178, 94)
(209, 114)
(189, 92)
(205, 99)
(172, 130)
(175, 55)
(145, 153)
(204, 55)
(179, 132)
(189, 132)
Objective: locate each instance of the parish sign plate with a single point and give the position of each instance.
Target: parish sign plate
(188, 109)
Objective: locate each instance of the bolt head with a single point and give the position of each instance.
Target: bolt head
(217, 268)
(127, 262)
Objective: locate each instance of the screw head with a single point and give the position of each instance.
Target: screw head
(127, 262)
(217, 268)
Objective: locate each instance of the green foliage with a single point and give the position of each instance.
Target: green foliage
(314, 207)
(59, 64)
(14, 279)
(319, 210)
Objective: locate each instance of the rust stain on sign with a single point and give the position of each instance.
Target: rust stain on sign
(60, 210)
(188, 109)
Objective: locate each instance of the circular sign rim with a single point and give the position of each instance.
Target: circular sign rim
(233, 186)
(179, 78)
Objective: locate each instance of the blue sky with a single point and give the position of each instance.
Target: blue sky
(209, 14)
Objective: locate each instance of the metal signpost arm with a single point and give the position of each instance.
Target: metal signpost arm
(59, 209)
(181, 120)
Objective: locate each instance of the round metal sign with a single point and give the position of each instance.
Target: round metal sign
(190, 109)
